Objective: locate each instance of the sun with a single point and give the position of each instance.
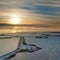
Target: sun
(15, 19)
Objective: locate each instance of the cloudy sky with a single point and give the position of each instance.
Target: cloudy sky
(41, 13)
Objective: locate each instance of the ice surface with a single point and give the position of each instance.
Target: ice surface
(50, 48)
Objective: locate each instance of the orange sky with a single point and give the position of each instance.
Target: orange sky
(36, 15)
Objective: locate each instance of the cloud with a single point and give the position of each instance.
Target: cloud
(34, 9)
(45, 14)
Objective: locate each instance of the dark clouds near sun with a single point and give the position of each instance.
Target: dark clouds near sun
(39, 11)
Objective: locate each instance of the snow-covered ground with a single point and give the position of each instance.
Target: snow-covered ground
(50, 47)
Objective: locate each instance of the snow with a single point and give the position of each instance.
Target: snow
(50, 48)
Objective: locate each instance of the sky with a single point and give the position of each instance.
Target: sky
(40, 14)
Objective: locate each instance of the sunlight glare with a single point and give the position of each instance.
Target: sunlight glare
(15, 19)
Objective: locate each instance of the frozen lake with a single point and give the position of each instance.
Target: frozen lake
(50, 48)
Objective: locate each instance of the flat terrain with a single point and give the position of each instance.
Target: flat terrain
(50, 46)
